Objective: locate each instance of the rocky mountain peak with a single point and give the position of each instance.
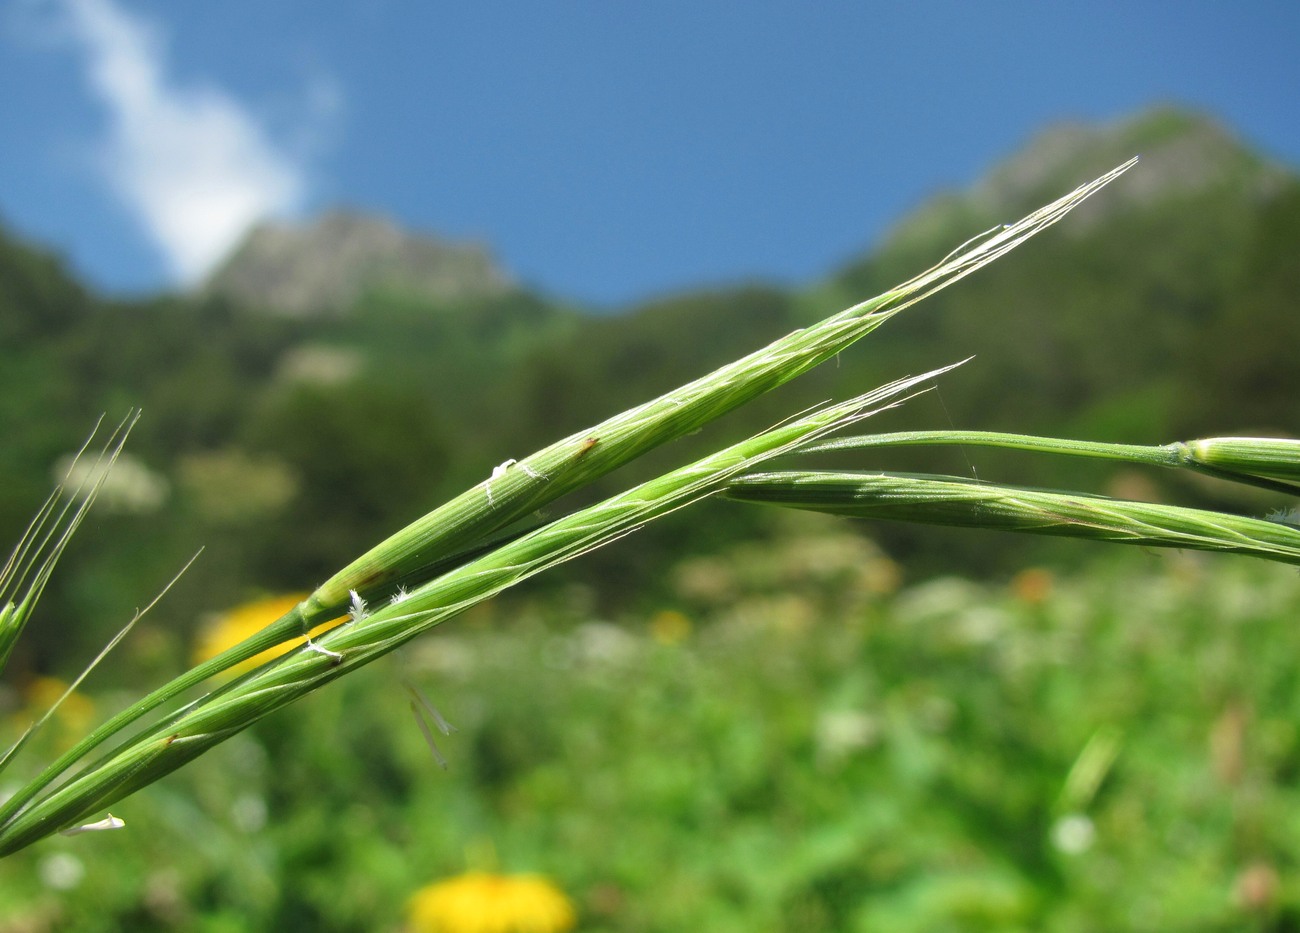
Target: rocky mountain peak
(328, 264)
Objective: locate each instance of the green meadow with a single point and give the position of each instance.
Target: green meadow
(796, 739)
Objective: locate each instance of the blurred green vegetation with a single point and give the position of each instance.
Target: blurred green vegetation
(822, 750)
(285, 446)
(789, 740)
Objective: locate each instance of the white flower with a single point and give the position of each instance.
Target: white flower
(1073, 834)
(61, 871)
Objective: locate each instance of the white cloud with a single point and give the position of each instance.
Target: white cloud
(195, 167)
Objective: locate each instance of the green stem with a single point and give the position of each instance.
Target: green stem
(1179, 455)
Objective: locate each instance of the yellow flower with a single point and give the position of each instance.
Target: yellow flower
(669, 627)
(232, 627)
(71, 719)
(482, 902)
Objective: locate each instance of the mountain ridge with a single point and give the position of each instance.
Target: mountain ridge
(330, 262)
(1181, 152)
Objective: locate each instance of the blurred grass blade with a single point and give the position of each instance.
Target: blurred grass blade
(953, 501)
(233, 707)
(1089, 770)
(1264, 462)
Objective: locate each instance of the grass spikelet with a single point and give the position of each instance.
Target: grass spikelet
(1268, 457)
(519, 487)
(971, 503)
(32, 562)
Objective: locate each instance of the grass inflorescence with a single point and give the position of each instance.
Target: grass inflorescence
(947, 500)
(488, 538)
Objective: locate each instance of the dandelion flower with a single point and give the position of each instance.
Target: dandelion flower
(233, 626)
(482, 902)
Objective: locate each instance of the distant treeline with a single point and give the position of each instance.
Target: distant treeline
(285, 446)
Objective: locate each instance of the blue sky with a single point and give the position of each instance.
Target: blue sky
(607, 152)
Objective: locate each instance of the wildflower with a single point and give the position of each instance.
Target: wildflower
(482, 902)
(1073, 834)
(70, 721)
(1256, 888)
(881, 576)
(61, 871)
(76, 711)
(841, 733)
(669, 627)
(1032, 585)
(128, 485)
(234, 626)
(598, 644)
